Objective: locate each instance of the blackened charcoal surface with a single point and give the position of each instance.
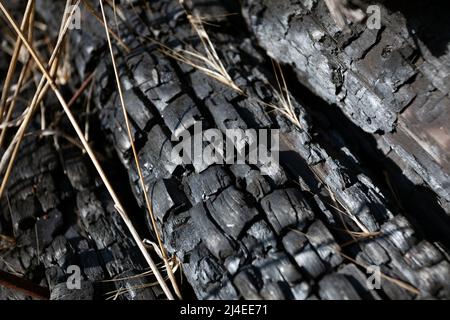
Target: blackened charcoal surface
(67, 220)
(286, 208)
(233, 231)
(391, 81)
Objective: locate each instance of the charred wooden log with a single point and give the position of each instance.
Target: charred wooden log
(241, 231)
(391, 80)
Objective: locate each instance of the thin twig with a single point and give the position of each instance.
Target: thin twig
(22, 77)
(398, 282)
(88, 112)
(210, 64)
(14, 101)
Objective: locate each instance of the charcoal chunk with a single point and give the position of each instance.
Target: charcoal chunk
(247, 283)
(304, 254)
(337, 287)
(166, 197)
(181, 114)
(231, 211)
(286, 208)
(252, 180)
(324, 243)
(136, 108)
(212, 237)
(202, 186)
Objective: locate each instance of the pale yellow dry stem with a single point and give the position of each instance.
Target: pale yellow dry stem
(213, 73)
(28, 82)
(285, 106)
(41, 90)
(212, 66)
(115, 293)
(364, 235)
(136, 159)
(206, 20)
(213, 57)
(145, 273)
(6, 242)
(359, 238)
(399, 283)
(341, 212)
(136, 276)
(13, 148)
(14, 122)
(117, 12)
(43, 121)
(88, 111)
(94, 160)
(288, 110)
(15, 56)
(348, 212)
(63, 74)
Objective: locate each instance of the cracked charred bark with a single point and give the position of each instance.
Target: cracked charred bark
(61, 217)
(238, 232)
(392, 81)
